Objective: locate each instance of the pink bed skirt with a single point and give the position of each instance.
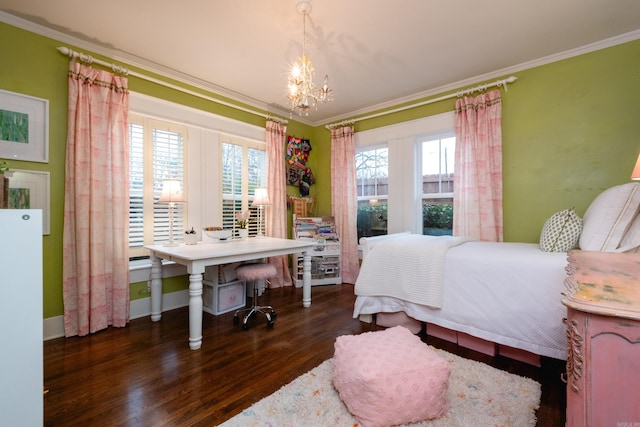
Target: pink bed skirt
(462, 339)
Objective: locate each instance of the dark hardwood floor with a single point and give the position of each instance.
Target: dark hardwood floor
(145, 374)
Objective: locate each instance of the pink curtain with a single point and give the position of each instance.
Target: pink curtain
(344, 199)
(277, 190)
(96, 202)
(477, 200)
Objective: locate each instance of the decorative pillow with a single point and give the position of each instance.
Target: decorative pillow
(390, 377)
(609, 217)
(561, 232)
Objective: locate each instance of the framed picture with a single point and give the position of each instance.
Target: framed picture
(24, 127)
(30, 190)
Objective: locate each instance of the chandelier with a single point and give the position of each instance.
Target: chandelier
(303, 93)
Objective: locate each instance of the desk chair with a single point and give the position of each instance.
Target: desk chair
(254, 273)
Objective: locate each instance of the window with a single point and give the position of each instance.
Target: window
(157, 152)
(193, 142)
(391, 183)
(437, 155)
(372, 174)
(243, 169)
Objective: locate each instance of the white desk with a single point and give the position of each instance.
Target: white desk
(197, 257)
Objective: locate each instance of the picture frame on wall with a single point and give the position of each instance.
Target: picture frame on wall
(24, 127)
(29, 189)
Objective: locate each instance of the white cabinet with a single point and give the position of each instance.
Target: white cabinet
(21, 370)
(325, 255)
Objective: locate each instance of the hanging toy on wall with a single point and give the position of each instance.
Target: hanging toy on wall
(305, 182)
(297, 151)
(298, 173)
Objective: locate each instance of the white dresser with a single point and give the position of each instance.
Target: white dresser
(21, 371)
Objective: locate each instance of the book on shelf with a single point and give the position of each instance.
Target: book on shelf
(320, 229)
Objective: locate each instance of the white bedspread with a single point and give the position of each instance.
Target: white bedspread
(508, 293)
(411, 268)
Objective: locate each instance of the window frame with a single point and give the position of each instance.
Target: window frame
(420, 157)
(247, 182)
(404, 202)
(375, 199)
(423, 197)
(205, 130)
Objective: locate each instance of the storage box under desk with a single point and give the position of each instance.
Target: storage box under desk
(223, 298)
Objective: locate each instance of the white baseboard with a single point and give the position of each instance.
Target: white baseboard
(142, 307)
(53, 327)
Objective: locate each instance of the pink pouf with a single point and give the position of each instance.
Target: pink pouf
(390, 377)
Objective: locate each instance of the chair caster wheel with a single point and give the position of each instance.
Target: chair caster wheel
(245, 327)
(270, 323)
(274, 315)
(236, 319)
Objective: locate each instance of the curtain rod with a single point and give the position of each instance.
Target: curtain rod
(349, 122)
(276, 119)
(125, 71)
(459, 93)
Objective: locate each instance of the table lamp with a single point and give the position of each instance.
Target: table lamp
(172, 194)
(635, 175)
(261, 199)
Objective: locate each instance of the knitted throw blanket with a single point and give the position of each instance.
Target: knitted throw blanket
(410, 267)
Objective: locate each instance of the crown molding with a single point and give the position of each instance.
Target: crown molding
(132, 60)
(602, 44)
(115, 55)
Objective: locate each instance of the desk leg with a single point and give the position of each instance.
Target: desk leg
(306, 280)
(195, 311)
(156, 288)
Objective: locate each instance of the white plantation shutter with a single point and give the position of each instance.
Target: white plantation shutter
(243, 167)
(231, 183)
(168, 162)
(257, 179)
(136, 186)
(157, 152)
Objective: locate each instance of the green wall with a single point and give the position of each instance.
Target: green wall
(32, 66)
(570, 130)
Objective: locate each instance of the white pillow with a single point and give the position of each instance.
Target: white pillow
(631, 240)
(561, 232)
(609, 217)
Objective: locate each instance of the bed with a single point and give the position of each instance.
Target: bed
(507, 294)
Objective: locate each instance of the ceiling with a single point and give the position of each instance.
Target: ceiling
(376, 52)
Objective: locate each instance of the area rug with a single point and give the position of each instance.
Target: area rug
(480, 395)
